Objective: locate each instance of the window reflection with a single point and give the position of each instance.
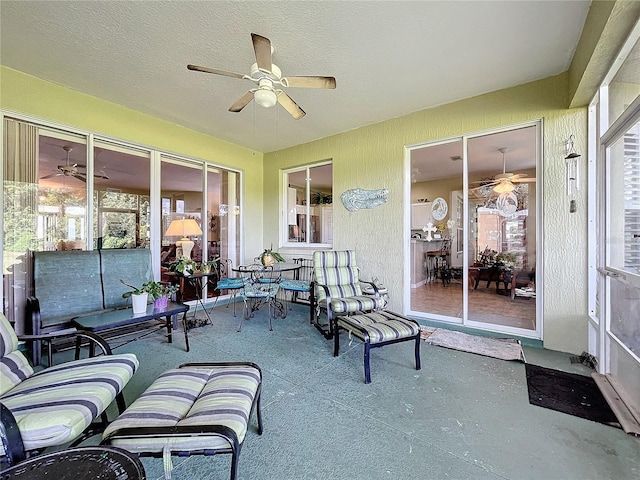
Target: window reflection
(309, 204)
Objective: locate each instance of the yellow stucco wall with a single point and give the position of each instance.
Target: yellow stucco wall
(28, 95)
(372, 157)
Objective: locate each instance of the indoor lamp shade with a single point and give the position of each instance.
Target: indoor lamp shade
(184, 228)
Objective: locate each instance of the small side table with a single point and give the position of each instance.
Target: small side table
(382, 291)
(82, 463)
(198, 281)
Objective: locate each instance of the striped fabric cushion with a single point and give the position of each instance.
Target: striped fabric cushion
(14, 367)
(356, 304)
(192, 395)
(57, 404)
(338, 271)
(381, 326)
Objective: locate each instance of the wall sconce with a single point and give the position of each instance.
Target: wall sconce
(573, 172)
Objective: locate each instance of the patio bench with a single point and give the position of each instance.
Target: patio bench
(72, 284)
(195, 409)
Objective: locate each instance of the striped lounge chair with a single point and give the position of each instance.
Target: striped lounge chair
(338, 288)
(57, 405)
(195, 409)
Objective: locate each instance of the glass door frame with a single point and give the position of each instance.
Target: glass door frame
(464, 321)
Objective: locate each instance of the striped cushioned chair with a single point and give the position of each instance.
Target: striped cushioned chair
(339, 290)
(195, 409)
(58, 404)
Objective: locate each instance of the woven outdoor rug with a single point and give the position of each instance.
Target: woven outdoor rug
(502, 348)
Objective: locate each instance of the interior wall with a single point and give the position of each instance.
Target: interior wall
(373, 157)
(28, 95)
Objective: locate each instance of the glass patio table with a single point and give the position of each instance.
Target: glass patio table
(125, 317)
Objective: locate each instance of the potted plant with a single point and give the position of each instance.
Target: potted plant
(138, 297)
(208, 266)
(160, 291)
(183, 266)
(269, 257)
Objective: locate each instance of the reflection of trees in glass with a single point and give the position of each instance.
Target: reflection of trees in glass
(54, 205)
(119, 226)
(19, 217)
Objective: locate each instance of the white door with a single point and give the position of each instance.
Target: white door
(620, 272)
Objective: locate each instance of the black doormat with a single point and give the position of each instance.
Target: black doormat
(568, 393)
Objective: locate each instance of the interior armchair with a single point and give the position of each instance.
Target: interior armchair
(339, 288)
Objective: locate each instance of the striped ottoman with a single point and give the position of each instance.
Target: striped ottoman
(377, 329)
(195, 409)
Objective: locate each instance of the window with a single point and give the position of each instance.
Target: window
(614, 324)
(66, 190)
(308, 204)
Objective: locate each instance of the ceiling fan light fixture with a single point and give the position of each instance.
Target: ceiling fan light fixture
(265, 97)
(504, 187)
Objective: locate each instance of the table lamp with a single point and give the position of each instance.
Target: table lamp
(184, 227)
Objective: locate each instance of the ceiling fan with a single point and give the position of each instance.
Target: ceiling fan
(504, 182)
(268, 77)
(71, 170)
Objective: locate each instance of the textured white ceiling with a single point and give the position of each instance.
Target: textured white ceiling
(389, 58)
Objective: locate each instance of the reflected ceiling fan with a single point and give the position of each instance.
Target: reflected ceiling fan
(71, 170)
(504, 182)
(268, 77)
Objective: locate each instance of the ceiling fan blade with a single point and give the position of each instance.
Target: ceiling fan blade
(523, 180)
(262, 47)
(241, 102)
(51, 175)
(309, 82)
(485, 183)
(79, 177)
(215, 71)
(102, 176)
(290, 106)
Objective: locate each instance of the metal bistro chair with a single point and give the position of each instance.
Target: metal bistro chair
(232, 284)
(338, 288)
(299, 286)
(260, 289)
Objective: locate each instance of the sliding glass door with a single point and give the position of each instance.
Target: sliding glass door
(64, 190)
(473, 238)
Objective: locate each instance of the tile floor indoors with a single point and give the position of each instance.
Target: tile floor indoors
(463, 416)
